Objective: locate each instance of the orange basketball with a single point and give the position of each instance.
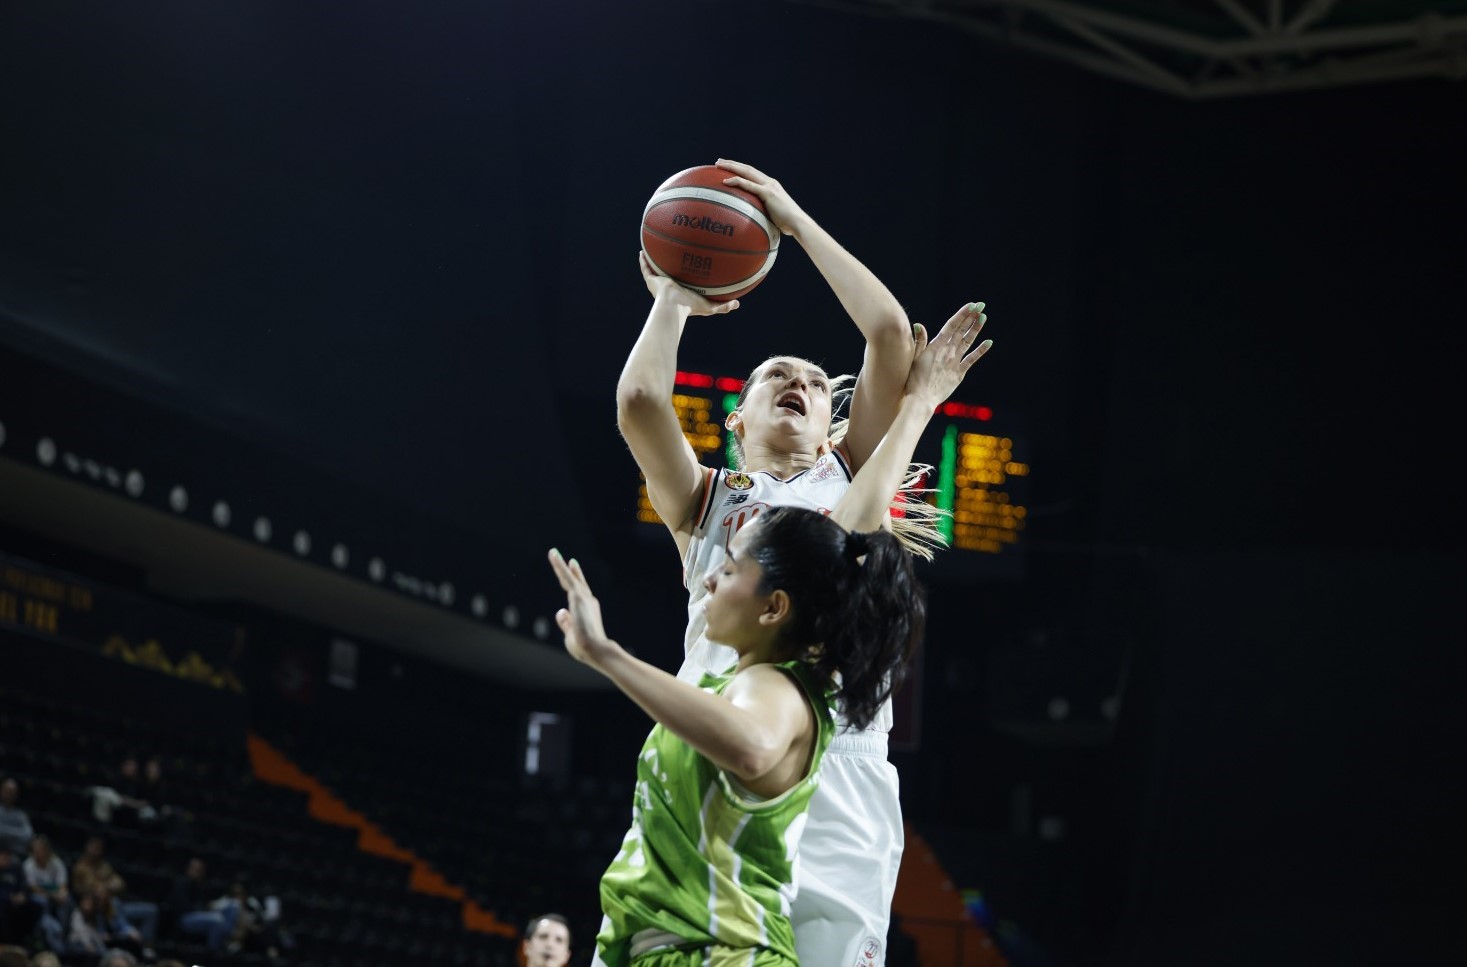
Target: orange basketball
(715, 239)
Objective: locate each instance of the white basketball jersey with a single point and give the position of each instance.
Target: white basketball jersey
(732, 498)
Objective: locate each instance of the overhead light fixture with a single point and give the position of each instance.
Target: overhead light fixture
(262, 529)
(134, 483)
(479, 606)
(340, 556)
(178, 499)
(46, 451)
(221, 513)
(302, 543)
(511, 616)
(376, 569)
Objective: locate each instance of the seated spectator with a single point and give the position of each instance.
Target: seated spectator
(121, 801)
(15, 825)
(82, 933)
(117, 931)
(20, 911)
(154, 791)
(153, 787)
(45, 875)
(92, 871)
(258, 928)
(189, 906)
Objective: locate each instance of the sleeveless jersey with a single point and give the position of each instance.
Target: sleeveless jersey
(732, 498)
(702, 865)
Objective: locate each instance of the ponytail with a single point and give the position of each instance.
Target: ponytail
(858, 609)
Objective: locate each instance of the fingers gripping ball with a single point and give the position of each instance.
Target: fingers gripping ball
(715, 239)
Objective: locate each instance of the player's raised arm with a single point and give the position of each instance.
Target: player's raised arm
(644, 411)
(867, 301)
(937, 369)
(746, 732)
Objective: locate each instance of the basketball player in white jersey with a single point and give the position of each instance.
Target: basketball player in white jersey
(853, 841)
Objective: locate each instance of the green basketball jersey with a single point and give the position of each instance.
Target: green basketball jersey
(702, 862)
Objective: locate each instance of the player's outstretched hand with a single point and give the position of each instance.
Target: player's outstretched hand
(940, 365)
(662, 287)
(580, 619)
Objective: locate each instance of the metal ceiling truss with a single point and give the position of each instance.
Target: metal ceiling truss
(1216, 48)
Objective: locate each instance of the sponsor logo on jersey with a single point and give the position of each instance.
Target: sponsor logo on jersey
(825, 471)
(738, 481)
(734, 520)
(732, 499)
(870, 953)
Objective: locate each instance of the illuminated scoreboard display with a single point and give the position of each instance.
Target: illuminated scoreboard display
(978, 465)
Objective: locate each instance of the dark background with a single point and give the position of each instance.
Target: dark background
(395, 246)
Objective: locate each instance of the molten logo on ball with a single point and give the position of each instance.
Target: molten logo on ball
(705, 223)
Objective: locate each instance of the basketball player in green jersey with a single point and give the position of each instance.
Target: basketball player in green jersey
(822, 620)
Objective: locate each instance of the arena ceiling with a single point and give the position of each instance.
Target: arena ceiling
(1215, 48)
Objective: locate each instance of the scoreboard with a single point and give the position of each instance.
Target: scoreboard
(979, 473)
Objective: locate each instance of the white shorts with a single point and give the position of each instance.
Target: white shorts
(849, 856)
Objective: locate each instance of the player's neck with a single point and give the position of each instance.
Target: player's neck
(782, 464)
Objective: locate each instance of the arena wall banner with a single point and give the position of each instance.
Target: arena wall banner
(45, 603)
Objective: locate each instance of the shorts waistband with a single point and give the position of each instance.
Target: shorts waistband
(869, 742)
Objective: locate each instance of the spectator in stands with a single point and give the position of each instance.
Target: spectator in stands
(155, 792)
(249, 914)
(117, 930)
(46, 958)
(115, 801)
(15, 825)
(189, 905)
(92, 871)
(153, 787)
(83, 936)
(547, 941)
(19, 910)
(257, 929)
(124, 802)
(45, 874)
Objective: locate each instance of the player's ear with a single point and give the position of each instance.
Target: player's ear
(734, 423)
(777, 608)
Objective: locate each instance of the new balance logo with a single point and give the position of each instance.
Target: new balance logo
(732, 499)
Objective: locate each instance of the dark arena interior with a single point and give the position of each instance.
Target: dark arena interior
(312, 317)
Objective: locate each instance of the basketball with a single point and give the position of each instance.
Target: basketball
(715, 239)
